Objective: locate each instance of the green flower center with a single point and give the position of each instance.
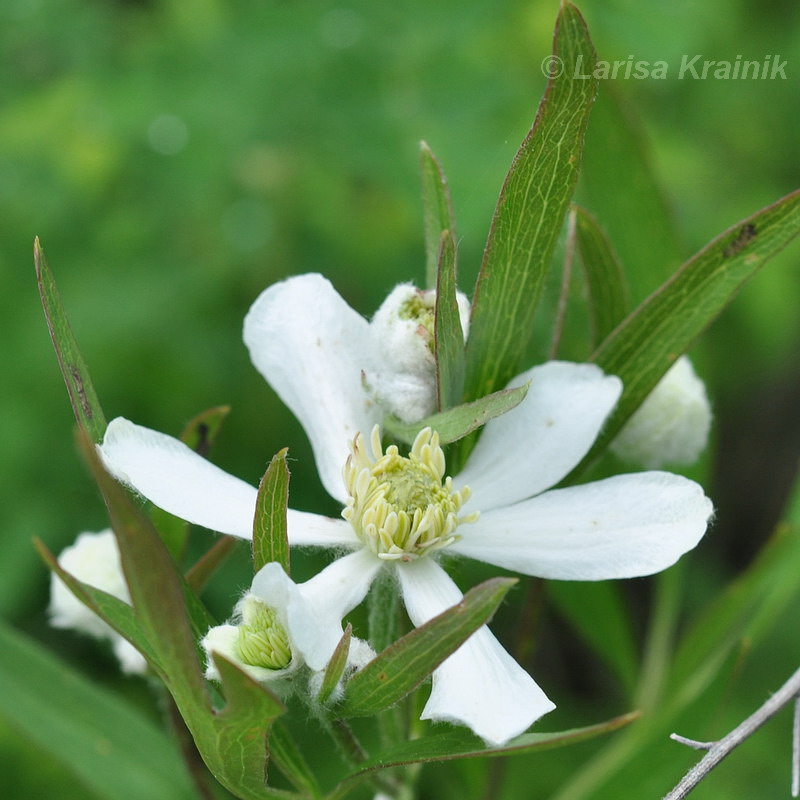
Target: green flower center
(262, 640)
(402, 507)
(420, 309)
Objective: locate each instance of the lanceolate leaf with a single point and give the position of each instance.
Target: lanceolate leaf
(270, 542)
(114, 750)
(457, 744)
(530, 212)
(335, 667)
(448, 334)
(76, 375)
(402, 666)
(457, 422)
(605, 280)
(646, 344)
(437, 210)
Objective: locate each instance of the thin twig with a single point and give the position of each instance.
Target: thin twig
(796, 750)
(788, 692)
(566, 277)
(693, 743)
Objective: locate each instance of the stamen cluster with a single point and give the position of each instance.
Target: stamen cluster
(399, 505)
(262, 640)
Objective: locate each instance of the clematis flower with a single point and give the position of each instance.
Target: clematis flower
(275, 632)
(402, 513)
(94, 559)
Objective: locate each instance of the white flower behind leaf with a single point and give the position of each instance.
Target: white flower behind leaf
(402, 327)
(403, 511)
(673, 423)
(94, 559)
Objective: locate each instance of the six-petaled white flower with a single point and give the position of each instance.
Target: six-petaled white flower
(401, 512)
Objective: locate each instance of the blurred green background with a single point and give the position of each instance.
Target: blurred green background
(178, 156)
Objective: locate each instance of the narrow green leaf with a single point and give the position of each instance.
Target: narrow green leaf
(200, 433)
(384, 604)
(288, 758)
(335, 667)
(598, 614)
(530, 213)
(437, 210)
(402, 666)
(118, 614)
(270, 542)
(81, 391)
(113, 749)
(457, 422)
(448, 336)
(605, 279)
(155, 586)
(458, 744)
(646, 344)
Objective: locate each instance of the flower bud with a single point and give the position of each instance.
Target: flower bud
(672, 425)
(403, 329)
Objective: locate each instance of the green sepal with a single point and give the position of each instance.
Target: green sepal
(648, 342)
(448, 336)
(456, 423)
(529, 215)
(437, 209)
(605, 279)
(80, 388)
(335, 666)
(270, 538)
(402, 666)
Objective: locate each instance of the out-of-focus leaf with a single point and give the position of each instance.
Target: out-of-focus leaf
(402, 666)
(437, 210)
(270, 542)
(335, 667)
(605, 280)
(767, 585)
(448, 335)
(598, 613)
(289, 760)
(457, 744)
(455, 423)
(530, 212)
(646, 344)
(205, 566)
(200, 433)
(117, 613)
(76, 375)
(620, 188)
(113, 749)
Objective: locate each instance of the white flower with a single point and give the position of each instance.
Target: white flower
(311, 347)
(275, 631)
(672, 425)
(402, 329)
(94, 559)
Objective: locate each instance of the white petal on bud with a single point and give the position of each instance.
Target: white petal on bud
(672, 425)
(402, 329)
(93, 559)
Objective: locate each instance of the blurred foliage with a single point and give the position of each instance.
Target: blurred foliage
(177, 156)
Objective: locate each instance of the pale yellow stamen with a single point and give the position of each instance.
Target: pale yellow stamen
(262, 640)
(399, 506)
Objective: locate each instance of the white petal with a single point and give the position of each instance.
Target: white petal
(175, 478)
(620, 527)
(131, 661)
(534, 446)
(330, 594)
(318, 531)
(480, 685)
(312, 348)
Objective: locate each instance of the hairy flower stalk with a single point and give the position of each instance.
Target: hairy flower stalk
(397, 505)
